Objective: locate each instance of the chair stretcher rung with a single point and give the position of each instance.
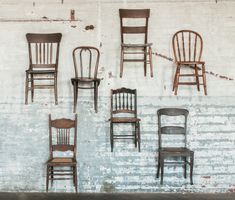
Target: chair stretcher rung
(190, 75)
(187, 83)
(60, 178)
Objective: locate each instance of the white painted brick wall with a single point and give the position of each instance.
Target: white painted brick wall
(24, 129)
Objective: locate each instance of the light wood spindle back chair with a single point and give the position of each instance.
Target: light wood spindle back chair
(187, 48)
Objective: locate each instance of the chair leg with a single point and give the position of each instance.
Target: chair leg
(174, 83)
(47, 179)
(136, 134)
(75, 97)
(151, 61)
(162, 168)
(158, 165)
(52, 175)
(145, 61)
(75, 178)
(185, 167)
(138, 131)
(96, 96)
(32, 88)
(26, 88)
(191, 167)
(177, 79)
(197, 78)
(111, 136)
(55, 89)
(121, 62)
(204, 79)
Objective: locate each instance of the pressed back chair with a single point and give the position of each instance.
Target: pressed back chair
(144, 47)
(62, 138)
(86, 63)
(172, 129)
(187, 48)
(43, 63)
(124, 110)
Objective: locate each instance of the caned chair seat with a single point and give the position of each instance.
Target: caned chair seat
(136, 45)
(124, 120)
(62, 138)
(62, 160)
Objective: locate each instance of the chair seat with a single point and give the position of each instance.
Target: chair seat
(190, 62)
(136, 45)
(172, 130)
(85, 79)
(62, 161)
(175, 151)
(124, 119)
(41, 71)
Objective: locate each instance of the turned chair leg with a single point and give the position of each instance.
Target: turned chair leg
(47, 179)
(138, 132)
(204, 79)
(177, 79)
(75, 96)
(96, 96)
(197, 78)
(151, 61)
(162, 168)
(111, 136)
(145, 61)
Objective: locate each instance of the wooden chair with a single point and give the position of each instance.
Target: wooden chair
(62, 138)
(135, 48)
(43, 63)
(173, 151)
(124, 110)
(86, 63)
(187, 48)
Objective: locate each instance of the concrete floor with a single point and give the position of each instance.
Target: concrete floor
(116, 196)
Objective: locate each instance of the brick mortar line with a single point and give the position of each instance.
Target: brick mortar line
(207, 72)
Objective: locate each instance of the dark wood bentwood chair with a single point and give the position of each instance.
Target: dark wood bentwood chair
(187, 47)
(172, 130)
(124, 110)
(134, 48)
(86, 63)
(62, 138)
(43, 63)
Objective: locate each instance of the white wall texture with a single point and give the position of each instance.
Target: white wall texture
(24, 128)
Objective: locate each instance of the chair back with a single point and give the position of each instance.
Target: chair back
(86, 62)
(124, 101)
(172, 126)
(134, 29)
(187, 46)
(43, 50)
(63, 135)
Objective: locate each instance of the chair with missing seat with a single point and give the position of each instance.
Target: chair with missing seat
(43, 63)
(136, 30)
(170, 127)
